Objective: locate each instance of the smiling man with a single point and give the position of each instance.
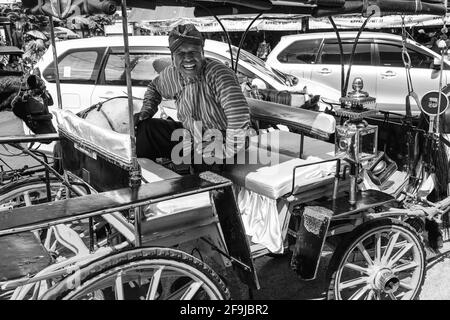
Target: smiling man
(208, 98)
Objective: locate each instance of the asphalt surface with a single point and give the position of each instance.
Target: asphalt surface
(279, 282)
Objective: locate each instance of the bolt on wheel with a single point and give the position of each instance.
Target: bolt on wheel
(381, 259)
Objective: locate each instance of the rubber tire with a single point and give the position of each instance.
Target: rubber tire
(360, 232)
(63, 290)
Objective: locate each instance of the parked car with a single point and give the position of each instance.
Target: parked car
(92, 69)
(377, 59)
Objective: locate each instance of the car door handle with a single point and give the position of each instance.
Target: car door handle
(325, 71)
(389, 73)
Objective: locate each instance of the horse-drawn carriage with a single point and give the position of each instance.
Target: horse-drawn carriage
(104, 224)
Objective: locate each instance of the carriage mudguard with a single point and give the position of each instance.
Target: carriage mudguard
(310, 240)
(233, 230)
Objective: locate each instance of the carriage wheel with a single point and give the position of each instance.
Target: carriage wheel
(143, 274)
(381, 259)
(28, 191)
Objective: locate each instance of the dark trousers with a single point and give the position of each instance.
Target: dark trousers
(153, 140)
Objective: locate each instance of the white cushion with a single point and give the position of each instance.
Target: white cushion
(152, 172)
(275, 179)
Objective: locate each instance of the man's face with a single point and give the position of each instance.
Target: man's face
(188, 58)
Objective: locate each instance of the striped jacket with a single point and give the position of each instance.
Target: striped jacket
(213, 100)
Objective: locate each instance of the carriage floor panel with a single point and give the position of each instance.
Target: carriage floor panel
(364, 200)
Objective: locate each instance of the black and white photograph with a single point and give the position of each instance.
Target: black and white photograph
(249, 152)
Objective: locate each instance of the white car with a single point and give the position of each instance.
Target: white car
(92, 69)
(378, 60)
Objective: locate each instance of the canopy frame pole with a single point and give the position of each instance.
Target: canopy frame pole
(341, 55)
(354, 50)
(442, 67)
(55, 62)
(135, 173)
(241, 43)
(227, 35)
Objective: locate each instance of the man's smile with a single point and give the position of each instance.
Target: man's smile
(189, 66)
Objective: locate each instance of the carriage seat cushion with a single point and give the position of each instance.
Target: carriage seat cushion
(288, 143)
(274, 179)
(152, 172)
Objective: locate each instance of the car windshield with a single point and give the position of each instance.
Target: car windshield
(261, 67)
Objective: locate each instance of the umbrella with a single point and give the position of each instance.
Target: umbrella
(37, 34)
(66, 32)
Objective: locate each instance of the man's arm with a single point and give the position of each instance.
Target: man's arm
(152, 99)
(236, 110)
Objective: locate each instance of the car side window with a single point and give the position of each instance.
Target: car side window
(76, 67)
(420, 60)
(331, 53)
(142, 68)
(302, 51)
(391, 55)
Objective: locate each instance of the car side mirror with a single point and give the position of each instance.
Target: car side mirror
(294, 80)
(436, 64)
(259, 84)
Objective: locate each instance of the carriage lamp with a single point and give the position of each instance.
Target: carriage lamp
(357, 103)
(355, 142)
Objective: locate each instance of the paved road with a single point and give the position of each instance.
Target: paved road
(14, 158)
(279, 282)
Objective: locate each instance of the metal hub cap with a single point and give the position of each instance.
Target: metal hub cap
(386, 281)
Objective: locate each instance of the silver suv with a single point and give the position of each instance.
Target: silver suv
(378, 60)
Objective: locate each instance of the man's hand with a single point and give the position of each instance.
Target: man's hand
(138, 118)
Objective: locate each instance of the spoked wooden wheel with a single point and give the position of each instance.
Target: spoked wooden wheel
(381, 259)
(28, 191)
(143, 274)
